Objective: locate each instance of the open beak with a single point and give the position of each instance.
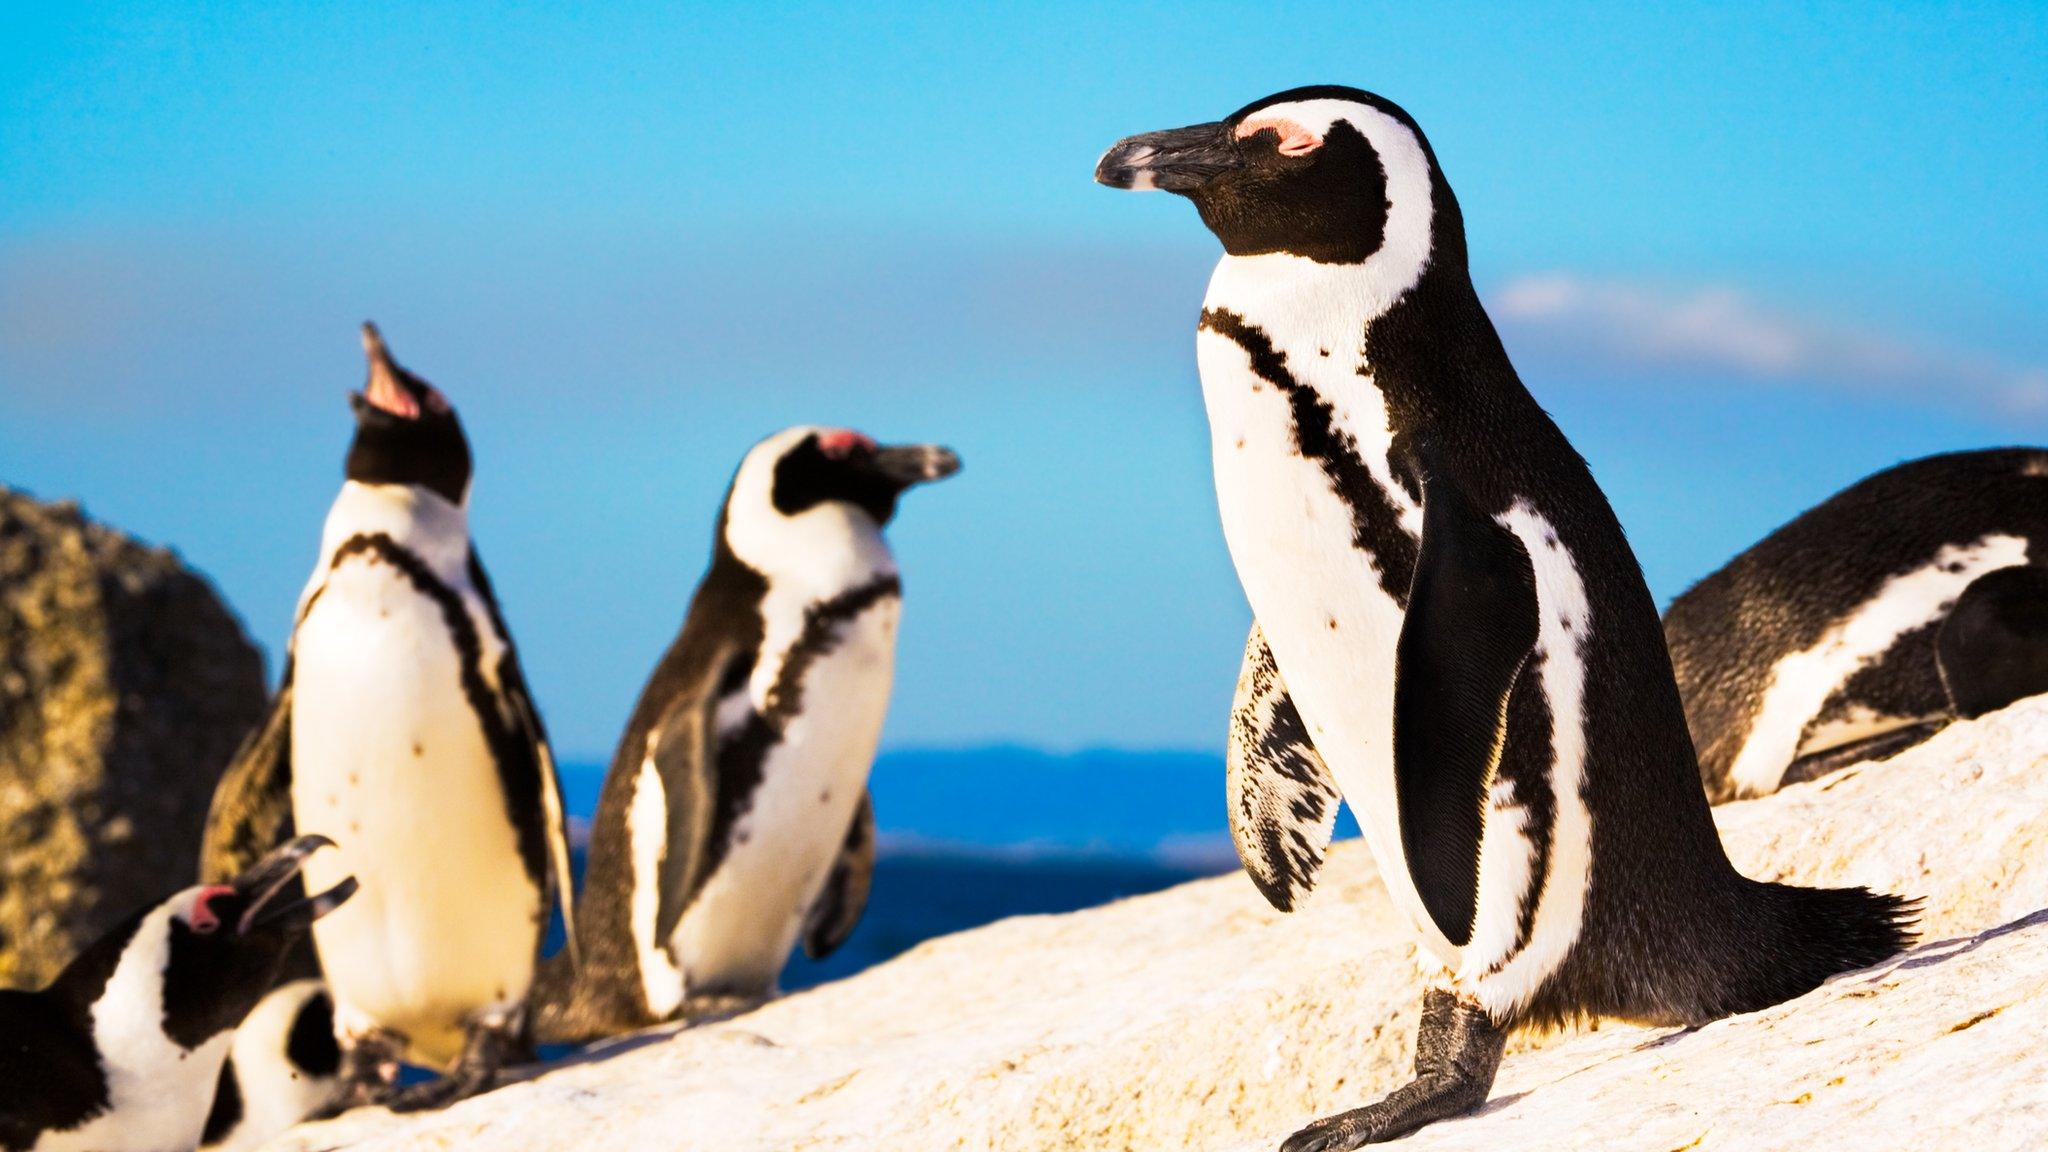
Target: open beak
(1176, 160)
(267, 879)
(387, 388)
(908, 464)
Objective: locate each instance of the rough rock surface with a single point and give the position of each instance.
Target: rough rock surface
(125, 685)
(1198, 1018)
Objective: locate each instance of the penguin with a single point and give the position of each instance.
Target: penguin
(1910, 599)
(280, 1069)
(1451, 633)
(120, 1053)
(404, 729)
(735, 816)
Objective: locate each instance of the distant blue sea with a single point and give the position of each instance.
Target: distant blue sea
(969, 836)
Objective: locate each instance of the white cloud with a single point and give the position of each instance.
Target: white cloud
(1577, 323)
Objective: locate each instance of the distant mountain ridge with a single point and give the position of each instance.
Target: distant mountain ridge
(1010, 800)
(971, 835)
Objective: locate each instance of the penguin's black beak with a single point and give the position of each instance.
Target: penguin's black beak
(1176, 160)
(908, 464)
(267, 879)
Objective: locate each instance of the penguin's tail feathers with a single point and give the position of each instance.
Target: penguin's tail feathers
(1795, 938)
(554, 985)
(569, 1004)
(554, 1010)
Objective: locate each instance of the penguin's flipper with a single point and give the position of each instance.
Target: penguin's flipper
(529, 733)
(838, 908)
(561, 873)
(1470, 626)
(1283, 800)
(684, 748)
(1993, 648)
(251, 811)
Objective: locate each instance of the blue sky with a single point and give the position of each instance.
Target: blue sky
(1743, 256)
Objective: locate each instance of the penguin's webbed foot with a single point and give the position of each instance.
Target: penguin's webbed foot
(1457, 1053)
(368, 1073)
(484, 1053)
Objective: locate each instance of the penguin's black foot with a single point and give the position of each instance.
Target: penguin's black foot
(368, 1072)
(1457, 1053)
(484, 1052)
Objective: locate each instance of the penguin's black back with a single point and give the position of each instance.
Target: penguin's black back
(48, 1060)
(1671, 932)
(1728, 631)
(724, 627)
(50, 1067)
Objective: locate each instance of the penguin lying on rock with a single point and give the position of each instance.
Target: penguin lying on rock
(1909, 599)
(280, 1069)
(1452, 633)
(122, 1051)
(735, 817)
(403, 728)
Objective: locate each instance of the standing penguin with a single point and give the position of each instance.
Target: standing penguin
(1451, 630)
(403, 728)
(735, 817)
(121, 1052)
(1910, 598)
(280, 1069)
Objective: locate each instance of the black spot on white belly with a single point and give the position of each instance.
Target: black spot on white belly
(1375, 522)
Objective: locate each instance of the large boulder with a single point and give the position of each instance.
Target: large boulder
(1199, 1018)
(125, 685)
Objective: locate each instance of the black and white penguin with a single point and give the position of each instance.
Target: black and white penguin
(122, 1051)
(281, 1068)
(735, 817)
(1912, 597)
(403, 728)
(1451, 631)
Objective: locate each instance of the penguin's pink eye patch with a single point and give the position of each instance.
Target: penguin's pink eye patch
(202, 917)
(1295, 140)
(843, 442)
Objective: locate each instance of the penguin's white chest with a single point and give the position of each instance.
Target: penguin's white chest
(162, 1104)
(159, 1102)
(275, 1091)
(390, 760)
(738, 933)
(1317, 594)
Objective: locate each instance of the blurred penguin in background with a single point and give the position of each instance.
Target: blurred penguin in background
(122, 1052)
(404, 729)
(735, 818)
(1913, 598)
